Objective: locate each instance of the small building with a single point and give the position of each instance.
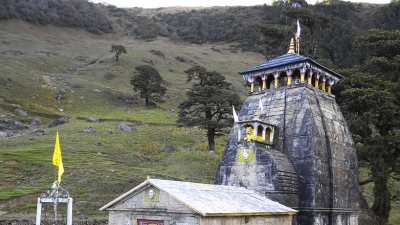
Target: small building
(182, 203)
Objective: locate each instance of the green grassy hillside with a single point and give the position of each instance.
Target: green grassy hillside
(54, 72)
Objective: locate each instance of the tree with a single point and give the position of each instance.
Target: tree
(118, 49)
(370, 102)
(273, 40)
(209, 103)
(315, 21)
(289, 3)
(383, 49)
(371, 108)
(148, 81)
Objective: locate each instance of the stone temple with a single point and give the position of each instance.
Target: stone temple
(291, 143)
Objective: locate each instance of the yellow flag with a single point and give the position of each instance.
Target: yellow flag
(57, 159)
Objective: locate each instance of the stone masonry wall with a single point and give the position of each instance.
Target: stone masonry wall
(311, 132)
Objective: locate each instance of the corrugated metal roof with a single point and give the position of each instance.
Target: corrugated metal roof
(285, 60)
(215, 200)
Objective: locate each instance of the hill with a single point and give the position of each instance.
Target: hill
(54, 73)
(60, 71)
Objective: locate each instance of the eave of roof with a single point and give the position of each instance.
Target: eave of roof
(205, 193)
(145, 183)
(220, 196)
(285, 60)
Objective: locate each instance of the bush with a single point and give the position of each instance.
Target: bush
(93, 30)
(73, 13)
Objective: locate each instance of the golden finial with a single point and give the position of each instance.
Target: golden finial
(291, 47)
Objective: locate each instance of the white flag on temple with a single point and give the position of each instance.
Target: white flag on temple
(235, 116)
(298, 29)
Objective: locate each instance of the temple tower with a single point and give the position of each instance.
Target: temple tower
(291, 143)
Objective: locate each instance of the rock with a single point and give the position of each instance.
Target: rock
(123, 127)
(22, 112)
(131, 97)
(98, 144)
(180, 59)
(109, 131)
(36, 121)
(5, 121)
(157, 53)
(38, 131)
(16, 106)
(169, 148)
(20, 126)
(89, 130)
(58, 122)
(92, 119)
(58, 97)
(3, 135)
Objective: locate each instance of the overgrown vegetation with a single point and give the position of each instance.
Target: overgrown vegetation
(329, 28)
(209, 103)
(369, 100)
(73, 13)
(81, 80)
(147, 81)
(55, 72)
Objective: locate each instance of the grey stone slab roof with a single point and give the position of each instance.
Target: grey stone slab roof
(214, 200)
(284, 60)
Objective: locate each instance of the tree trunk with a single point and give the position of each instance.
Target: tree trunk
(210, 136)
(116, 55)
(381, 206)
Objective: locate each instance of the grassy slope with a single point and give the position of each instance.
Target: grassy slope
(57, 60)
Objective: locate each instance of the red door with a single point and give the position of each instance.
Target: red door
(150, 222)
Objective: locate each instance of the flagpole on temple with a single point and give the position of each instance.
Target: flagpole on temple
(55, 194)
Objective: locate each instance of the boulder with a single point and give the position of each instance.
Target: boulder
(89, 130)
(22, 112)
(38, 132)
(36, 121)
(131, 97)
(92, 119)
(169, 148)
(58, 122)
(124, 127)
(180, 59)
(3, 135)
(19, 125)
